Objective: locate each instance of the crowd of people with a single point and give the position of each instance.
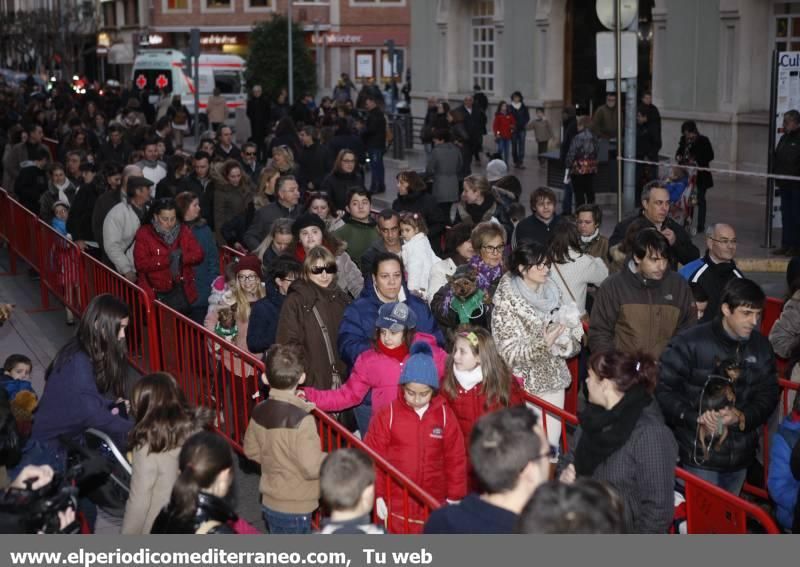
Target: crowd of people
(425, 327)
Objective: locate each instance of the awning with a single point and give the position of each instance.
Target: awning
(120, 54)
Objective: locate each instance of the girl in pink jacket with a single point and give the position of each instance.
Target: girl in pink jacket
(378, 370)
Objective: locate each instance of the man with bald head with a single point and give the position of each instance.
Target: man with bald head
(714, 270)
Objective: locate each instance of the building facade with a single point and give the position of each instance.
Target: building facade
(707, 61)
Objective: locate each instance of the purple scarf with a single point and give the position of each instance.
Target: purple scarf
(487, 276)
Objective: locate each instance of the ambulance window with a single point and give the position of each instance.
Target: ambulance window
(228, 82)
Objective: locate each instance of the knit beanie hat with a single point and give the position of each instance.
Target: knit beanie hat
(249, 262)
(306, 220)
(496, 169)
(419, 367)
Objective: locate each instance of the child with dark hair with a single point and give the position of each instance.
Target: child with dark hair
(700, 299)
(419, 435)
(418, 256)
(585, 507)
(282, 437)
(16, 381)
(347, 485)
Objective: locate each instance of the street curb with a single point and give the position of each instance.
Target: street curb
(776, 265)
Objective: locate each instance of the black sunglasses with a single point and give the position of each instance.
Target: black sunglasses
(330, 268)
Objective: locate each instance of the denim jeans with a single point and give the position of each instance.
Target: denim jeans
(566, 202)
(281, 523)
(503, 148)
(363, 413)
(377, 182)
(732, 481)
(518, 146)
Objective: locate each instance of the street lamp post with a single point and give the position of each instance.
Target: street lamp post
(291, 55)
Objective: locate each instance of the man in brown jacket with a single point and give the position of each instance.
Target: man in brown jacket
(282, 437)
(644, 305)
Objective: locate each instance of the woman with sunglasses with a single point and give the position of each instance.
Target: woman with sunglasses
(310, 318)
(622, 440)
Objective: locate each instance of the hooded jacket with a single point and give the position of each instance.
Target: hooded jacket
(429, 450)
(358, 324)
(299, 326)
(633, 313)
(375, 372)
(685, 367)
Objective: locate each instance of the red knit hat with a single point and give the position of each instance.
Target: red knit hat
(249, 262)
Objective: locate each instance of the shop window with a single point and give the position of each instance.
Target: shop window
(177, 6)
(258, 5)
(218, 5)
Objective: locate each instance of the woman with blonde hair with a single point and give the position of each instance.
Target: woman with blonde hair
(283, 160)
(164, 420)
(310, 319)
(265, 190)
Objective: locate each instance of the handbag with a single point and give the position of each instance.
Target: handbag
(336, 378)
(175, 298)
(585, 316)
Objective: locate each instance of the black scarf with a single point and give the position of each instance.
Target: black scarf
(605, 431)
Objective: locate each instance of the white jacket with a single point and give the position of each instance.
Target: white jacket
(119, 232)
(439, 273)
(418, 258)
(578, 274)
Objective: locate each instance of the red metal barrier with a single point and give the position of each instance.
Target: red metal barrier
(709, 508)
(143, 333)
(62, 269)
(25, 227)
(212, 371)
(712, 510)
(215, 373)
(226, 256)
(335, 436)
(772, 310)
(6, 229)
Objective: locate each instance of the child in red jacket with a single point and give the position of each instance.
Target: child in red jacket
(419, 435)
(477, 381)
(503, 128)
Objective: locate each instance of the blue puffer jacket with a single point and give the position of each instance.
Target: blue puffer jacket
(206, 271)
(782, 484)
(358, 325)
(263, 326)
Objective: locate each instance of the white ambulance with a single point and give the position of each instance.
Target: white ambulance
(157, 69)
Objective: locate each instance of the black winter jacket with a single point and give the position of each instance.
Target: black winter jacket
(683, 251)
(685, 366)
(374, 134)
(787, 158)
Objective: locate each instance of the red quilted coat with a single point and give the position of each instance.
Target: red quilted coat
(503, 126)
(429, 450)
(151, 258)
(470, 405)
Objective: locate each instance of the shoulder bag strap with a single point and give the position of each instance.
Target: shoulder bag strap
(337, 379)
(569, 291)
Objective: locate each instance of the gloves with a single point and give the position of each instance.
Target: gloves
(380, 507)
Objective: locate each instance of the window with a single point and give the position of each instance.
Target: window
(132, 13)
(228, 82)
(258, 5)
(787, 26)
(377, 2)
(482, 45)
(110, 14)
(365, 64)
(217, 5)
(177, 6)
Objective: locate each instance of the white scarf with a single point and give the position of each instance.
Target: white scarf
(516, 105)
(588, 239)
(62, 195)
(468, 379)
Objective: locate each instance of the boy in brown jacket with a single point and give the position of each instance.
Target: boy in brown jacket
(282, 437)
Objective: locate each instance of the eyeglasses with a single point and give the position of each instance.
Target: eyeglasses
(243, 278)
(724, 241)
(330, 268)
(249, 153)
(494, 249)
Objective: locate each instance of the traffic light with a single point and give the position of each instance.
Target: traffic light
(187, 62)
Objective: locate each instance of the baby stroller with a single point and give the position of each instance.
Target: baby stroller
(108, 491)
(682, 187)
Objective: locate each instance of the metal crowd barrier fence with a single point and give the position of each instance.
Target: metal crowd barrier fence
(62, 269)
(226, 256)
(142, 333)
(6, 228)
(709, 509)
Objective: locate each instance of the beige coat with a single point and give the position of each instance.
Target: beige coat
(217, 110)
(154, 474)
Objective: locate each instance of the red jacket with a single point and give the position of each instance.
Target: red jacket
(470, 406)
(429, 450)
(151, 258)
(503, 126)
